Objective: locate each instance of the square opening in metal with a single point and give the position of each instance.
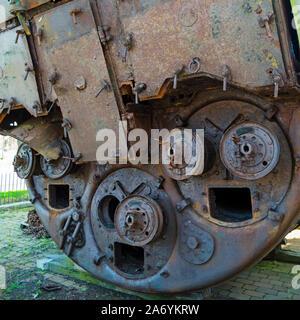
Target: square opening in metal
(230, 204)
(59, 196)
(129, 259)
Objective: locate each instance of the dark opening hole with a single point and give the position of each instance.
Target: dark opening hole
(265, 163)
(246, 149)
(15, 118)
(59, 196)
(106, 211)
(293, 35)
(230, 204)
(129, 259)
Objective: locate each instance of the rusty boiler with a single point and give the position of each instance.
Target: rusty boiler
(231, 68)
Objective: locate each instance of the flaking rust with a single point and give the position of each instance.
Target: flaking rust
(225, 68)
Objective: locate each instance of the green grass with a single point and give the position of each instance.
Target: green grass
(13, 196)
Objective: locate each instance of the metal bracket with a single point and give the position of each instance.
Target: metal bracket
(71, 232)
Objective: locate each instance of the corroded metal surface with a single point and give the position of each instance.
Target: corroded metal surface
(249, 150)
(15, 59)
(167, 34)
(24, 162)
(23, 5)
(61, 44)
(40, 134)
(225, 67)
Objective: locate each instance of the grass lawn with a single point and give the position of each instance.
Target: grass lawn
(13, 196)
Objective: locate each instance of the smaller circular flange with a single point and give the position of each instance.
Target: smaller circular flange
(183, 153)
(249, 150)
(24, 161)
(138, 220)
(56, 169)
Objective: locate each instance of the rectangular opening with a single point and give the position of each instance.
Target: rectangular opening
(59, 196)
(230, 204)
(129, 259)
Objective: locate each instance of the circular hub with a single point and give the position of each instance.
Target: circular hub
(56, 169)
(24, 161)
(249, 150)
(183, 154)
(138, 220)
(133, 223)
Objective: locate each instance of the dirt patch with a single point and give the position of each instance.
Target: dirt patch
(34, 226)
(28, 285)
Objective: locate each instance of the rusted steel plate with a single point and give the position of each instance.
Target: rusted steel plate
(70, 47)
(41, 135)
(14, 59)
(167, 34)
(26, 4)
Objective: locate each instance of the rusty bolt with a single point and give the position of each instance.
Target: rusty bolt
(80, 83)
(192, 243)
(75, 12)
(165, 274)
(18, 32)
(97, 259)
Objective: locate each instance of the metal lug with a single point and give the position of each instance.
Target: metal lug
(226, 76)
(36, 107)
(66, 124)
(176, 75)
(127, 43)
(105, 86)
(137, 90)
(19, 32)
(27, 70)
(74, 13)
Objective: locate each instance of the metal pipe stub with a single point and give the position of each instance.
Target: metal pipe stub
(249, 150)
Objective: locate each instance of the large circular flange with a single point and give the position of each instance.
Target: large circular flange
(56, 169)
(249, 150)
(183, 153)
(24, 161)
(138, 220)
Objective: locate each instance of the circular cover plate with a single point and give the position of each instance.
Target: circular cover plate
(58, 168)
(249, 150)
(24, 161)
(138, 220)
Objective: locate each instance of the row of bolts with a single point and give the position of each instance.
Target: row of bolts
(194, 67)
